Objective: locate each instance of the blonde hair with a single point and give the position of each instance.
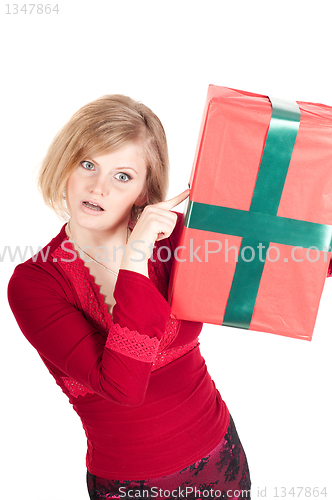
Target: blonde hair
(100, 127)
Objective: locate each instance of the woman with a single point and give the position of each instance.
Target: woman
(94, 305)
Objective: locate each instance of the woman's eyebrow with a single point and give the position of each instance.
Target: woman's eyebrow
(126, 167)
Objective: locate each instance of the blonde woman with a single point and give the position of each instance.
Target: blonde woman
(94, 305)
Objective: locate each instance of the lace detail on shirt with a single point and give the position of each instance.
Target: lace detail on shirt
(165, 357)
(171, 331)
(132, 343)
(74, 388)
(120, 339)
(93, 303)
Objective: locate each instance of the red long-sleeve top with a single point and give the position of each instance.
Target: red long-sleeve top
(137, 378)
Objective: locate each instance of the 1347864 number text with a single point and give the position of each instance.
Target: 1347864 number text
(32, 8)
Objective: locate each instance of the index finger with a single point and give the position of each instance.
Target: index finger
(173, 202)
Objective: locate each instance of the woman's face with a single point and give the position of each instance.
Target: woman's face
(102, 190)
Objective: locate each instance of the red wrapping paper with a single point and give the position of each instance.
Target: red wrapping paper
(230, 147)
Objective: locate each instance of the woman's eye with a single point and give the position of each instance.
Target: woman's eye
(87, 165)
(121, 176)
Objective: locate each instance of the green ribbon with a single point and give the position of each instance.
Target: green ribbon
(264, 227)
(261, 225)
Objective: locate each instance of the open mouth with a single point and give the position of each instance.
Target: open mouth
(93, 206)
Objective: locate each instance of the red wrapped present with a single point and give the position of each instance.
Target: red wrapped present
(256, 242)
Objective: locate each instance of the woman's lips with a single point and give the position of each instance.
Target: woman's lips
(92, 208)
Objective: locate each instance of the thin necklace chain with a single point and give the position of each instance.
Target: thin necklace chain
(89, 256)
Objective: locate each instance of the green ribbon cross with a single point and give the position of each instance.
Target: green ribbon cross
(261, 225)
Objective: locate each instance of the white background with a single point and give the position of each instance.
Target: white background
(164, 54)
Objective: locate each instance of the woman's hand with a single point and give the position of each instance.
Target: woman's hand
(156, 223)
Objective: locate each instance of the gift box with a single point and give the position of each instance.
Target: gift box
(256, 242)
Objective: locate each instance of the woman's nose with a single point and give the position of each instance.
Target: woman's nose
(99, 185)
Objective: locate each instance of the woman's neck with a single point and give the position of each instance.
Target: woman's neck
(100, 244)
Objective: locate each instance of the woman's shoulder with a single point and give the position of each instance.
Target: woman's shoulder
(40, 271)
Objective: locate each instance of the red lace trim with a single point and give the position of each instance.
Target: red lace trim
(132, 343)
(74, 388)
(119, 339)
(171, 331)
(165, 357)
(88, 291)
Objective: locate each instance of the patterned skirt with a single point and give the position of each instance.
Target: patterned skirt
(222, 474)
